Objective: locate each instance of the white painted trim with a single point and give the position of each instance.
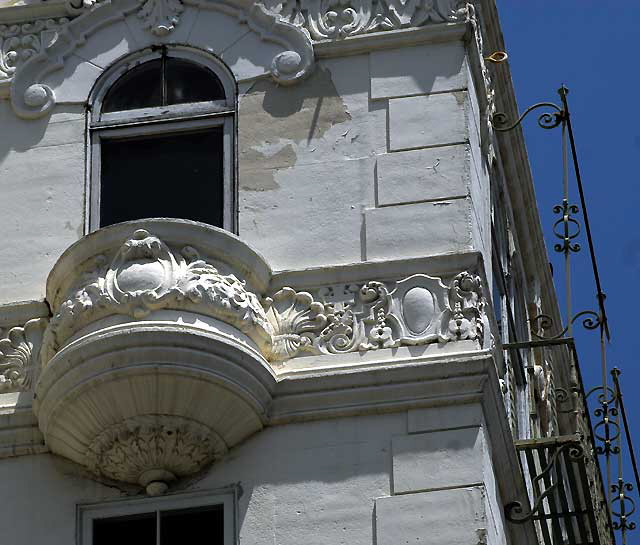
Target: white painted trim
(148, 129)
(112, 74)
(391, 39)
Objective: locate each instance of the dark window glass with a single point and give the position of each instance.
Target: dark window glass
(189, 82)
(179, 175)
(129, 530)
(192, 526)
(162, 82)
(140, 87)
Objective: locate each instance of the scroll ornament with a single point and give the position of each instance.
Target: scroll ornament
(29, 51)
(331, 19)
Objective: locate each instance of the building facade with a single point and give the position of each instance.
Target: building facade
(259, 264)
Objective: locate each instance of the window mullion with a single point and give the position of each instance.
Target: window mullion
(158, 541)
(163, 76)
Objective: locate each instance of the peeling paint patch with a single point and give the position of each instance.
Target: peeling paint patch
(275, 122)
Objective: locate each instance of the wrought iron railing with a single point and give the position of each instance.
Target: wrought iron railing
(572, 500)
(568, 501)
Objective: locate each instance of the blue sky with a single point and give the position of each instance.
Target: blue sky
(590, 46)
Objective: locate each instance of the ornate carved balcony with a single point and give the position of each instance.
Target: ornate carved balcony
(167, 338)
(153, 361)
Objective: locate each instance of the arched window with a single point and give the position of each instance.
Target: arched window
(161, 131)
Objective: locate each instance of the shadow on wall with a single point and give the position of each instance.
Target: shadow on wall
(275, 121)
(20, 135)
(336, 465)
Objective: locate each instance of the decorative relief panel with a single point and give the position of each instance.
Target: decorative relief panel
(339, 319)
(330, 19)
(145, 275)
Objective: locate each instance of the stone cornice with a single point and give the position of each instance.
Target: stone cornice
(334, 20)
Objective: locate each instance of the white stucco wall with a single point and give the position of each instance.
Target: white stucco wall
(360, 480)
(42, 185)
(373, 156)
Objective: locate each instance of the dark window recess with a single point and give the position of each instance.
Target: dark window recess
(129, 530)
(192, 525)
(163, 82)
(179, 175)
(177, 527)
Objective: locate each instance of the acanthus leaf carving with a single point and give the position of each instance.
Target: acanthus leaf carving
(153, 449)
(19, 356)
(160, 17)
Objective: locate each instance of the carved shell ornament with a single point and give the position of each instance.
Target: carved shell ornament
(294, 316)
(19, 356)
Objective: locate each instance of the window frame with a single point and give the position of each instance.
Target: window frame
(162, 120)
(227, 497)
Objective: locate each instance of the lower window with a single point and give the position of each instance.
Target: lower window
(171, 520)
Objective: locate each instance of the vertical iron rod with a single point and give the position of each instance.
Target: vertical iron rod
(615, 373)
(565, 221)
(600, 294)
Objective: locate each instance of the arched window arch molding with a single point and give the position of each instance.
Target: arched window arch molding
(194, 122)
(251, 39)
(201, 58)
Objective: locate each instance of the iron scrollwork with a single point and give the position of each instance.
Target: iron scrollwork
(515, 511)
(622, 506)
(546, 120)
(606, 429)
(590, 320)
(570, 227)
